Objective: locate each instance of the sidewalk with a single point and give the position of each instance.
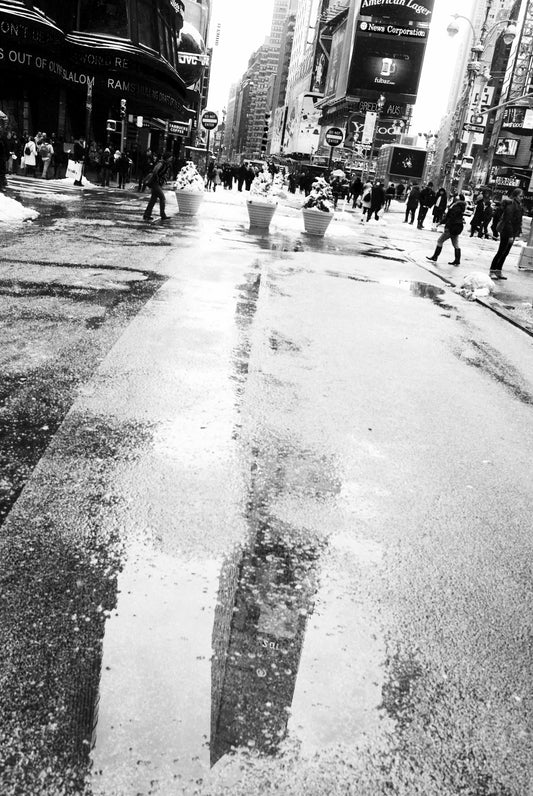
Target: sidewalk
(512, 299)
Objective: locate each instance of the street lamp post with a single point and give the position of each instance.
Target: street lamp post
(477, 72)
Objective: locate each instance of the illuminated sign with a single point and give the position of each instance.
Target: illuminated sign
(507, 147)
(399, 10)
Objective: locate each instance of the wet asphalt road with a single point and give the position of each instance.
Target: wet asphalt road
(264, 492)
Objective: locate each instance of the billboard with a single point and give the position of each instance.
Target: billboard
(408, 163)
(403, 11)
(518, 119)
(302, 128)
(337, 46)
(507, 147)
(389, 48)
(380, 64)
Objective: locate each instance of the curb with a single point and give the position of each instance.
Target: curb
(490, 303)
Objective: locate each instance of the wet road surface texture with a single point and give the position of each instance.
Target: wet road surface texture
(266, 512)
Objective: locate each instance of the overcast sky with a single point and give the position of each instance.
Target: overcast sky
(245, 23)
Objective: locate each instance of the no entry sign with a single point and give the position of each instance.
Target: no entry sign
(334, 136)
(209, 120)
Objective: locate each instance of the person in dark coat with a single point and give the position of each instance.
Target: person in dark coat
(377, 200)
(486, 218)
(390, 193)
(427, 200)
(122, 164)
(250, 177)
(453, 226)
(509, 227)
(439, 208)
(107, 163)
(241, 176)
(496, 215)
(356, 189)
(477, 218)
(400, 191)
(146, 164)
(413, 201)
(160, 172)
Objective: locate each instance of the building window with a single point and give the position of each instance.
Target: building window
(104, 16)
(146, 14)
(167, 35)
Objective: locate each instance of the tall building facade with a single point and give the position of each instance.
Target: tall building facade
(478, 85)
(373, 56)
(248, 135)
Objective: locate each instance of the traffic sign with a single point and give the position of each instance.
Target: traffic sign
(334, 136)
(209, 120)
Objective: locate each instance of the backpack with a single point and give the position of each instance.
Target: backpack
(27, 149)
(44, 151)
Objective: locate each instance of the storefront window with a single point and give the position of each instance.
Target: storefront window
(104, 16)
(146, 15)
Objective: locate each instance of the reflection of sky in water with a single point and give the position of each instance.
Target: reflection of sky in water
(155, 702)
(342, 657)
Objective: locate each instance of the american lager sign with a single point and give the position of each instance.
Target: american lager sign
(400, 10)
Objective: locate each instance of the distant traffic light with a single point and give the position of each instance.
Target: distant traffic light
(122, 108)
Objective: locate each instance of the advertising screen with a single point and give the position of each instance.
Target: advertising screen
(337, 45)
(507, 147)
(389, 65)
(408, 162)
(399, 10)
(518, 119)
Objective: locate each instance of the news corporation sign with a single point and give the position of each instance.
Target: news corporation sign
(389, 48)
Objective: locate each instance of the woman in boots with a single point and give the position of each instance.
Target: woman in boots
(453, 226)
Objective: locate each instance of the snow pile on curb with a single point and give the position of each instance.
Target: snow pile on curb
(11, 210)
(475, 285)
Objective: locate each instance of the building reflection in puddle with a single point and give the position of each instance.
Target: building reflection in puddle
(264, 603)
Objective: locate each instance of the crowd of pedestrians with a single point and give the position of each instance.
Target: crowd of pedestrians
(47, 157)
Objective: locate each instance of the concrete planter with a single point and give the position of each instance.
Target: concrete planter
(260, 213)
(316, 222)
(189, 201)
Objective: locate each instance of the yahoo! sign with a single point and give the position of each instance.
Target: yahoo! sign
(399, 10)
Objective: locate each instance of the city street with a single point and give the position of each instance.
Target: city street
(265, 505)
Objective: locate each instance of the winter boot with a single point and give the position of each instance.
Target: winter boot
(457, 260)
(435, 254)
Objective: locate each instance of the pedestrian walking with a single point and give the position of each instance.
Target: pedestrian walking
(377, 200)
(241, 176)
(46, 150)
(146, 164)
(390, 193)
(216, 177)
(477, 217)
(155, 181)
(413, 201)
(356, 189)
(427, 200)
(30, 157)
(122, 165)
(400, 191)
(439, 208)
(250, 177)
(509, 227)
(366, 201)
(453, 226)
(107, 166)
(486, 219)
